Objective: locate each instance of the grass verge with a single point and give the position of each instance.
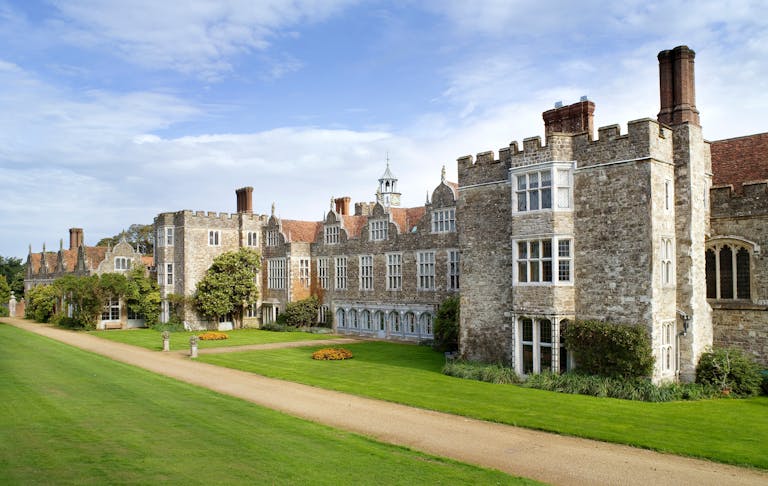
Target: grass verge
(72, 417)
(723, 430)
(151, 339)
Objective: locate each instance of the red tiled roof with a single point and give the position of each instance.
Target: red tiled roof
(147, 260)
(305, 231)
(739, 160)
(93, 254)
(455, 187)
(407, 218)
(354, 224)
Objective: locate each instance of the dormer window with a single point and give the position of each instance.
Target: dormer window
(378, 230)
(331, 235)
(444, 220)
(273, 238)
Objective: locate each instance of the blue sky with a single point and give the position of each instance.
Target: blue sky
(115, 111)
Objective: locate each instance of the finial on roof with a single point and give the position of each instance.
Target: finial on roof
(332, 203)
(30, 248)
(61, 244)
(378, 195)
(427, 197)
(273, 208)
(43, 247)
(442, 175)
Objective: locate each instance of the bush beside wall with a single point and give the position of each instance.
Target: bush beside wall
(611, 350)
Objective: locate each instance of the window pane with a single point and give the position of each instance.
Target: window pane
(534, 200)
(563, 197)
(564, 270)
(527, 358)
(521, 201)
(564, 248)
(545, 335)
(521, 182)
(533, 181)
(534, 249)
(546, 179)
(546, 269)
(522, 272)
(711, 274)
(527, 330)
(522, 250)
(726, 273)
(546, 198)
(545, 358)
(546, 249)
(742, 274)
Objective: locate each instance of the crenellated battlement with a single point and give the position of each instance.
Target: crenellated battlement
(644, 138)
(725, 202)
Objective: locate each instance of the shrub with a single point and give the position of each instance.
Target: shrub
(277, 327)
(173, 325)
(640, 389)
(332, 354)
(302, 312)
(473, 370)
(66, 322)
(446, 332)
(213, 336)
(613, 350)
(730, 370)
(41, 302)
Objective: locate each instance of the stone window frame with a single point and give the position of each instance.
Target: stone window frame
(444, 220)
(667, 356)
(537, 264)
(323, 272)
(252, 310)
(667, 259)
(276, 273)
(378, 230)
(559, 192)
(536, 344)
(340, 274)
(273, 237)
(322, 312)
(394, 271)
(453, 270)
(304, 277)
(331, 234)
(252, 238)
(425, 270)
(214, 237)
(122, 263)
(365, 272)
(737, 271)
(168, 274)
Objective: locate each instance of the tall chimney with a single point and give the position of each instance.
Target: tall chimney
(75, 238)
(575, 118)
(342, 205)
(244, 199)
(677, 87)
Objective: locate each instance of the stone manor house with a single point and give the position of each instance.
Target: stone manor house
(655, 227)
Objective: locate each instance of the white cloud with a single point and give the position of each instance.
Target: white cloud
(200, 37)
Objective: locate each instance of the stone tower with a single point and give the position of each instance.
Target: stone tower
(693, 169)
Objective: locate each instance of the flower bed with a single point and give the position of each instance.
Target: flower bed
(212, 336)
(332, 354)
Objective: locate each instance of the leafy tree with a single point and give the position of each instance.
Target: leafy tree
(143, 295)
(302, 312)
(41, 303)
(729, 369)
(141, 236)
(13, 270)
(229, 285)
(447, 325)
(5, 296)
(86, 296)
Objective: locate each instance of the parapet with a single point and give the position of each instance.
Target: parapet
(726, 202)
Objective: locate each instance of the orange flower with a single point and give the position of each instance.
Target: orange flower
(212, 336)
(332, 354)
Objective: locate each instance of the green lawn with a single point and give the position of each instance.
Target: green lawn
(730, 431)
(72, 417)
(151, 339)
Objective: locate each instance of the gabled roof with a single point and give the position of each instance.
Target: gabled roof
(407, 218)
(303, 231)
(739, 160)
(94, 255)
(354, 224)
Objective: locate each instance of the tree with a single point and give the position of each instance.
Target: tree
(86, 296)
(229, 285)
(5, 296)
(140, 236)
(13, 270)
(302, 312)
(447, 325)
(143, 295)
(41, 303)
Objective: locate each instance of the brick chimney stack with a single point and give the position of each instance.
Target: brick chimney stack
(244, 199)
(575, 118)
(75, 238)
(342, 205)
(677, 87)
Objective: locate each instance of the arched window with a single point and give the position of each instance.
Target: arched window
(340, 321)
(728, 271)
(353, 319)
(394, 321)
(365, 320)
(425, 322)
(410, 323)
(378, 320)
